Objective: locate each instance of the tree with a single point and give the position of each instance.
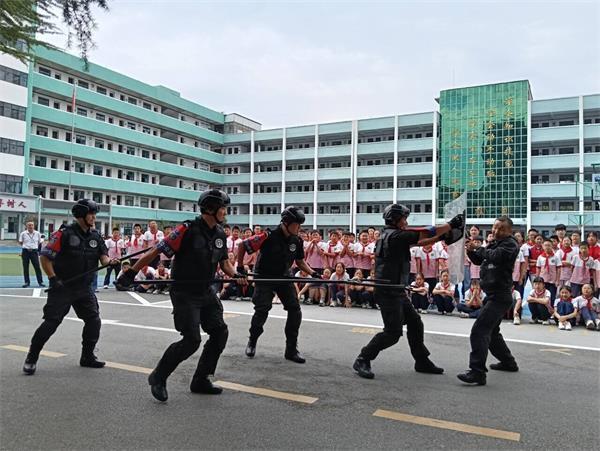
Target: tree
(23, 21)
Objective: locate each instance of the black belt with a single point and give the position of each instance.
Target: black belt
(30, 250)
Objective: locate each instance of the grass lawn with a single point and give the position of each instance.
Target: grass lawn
(10, 265)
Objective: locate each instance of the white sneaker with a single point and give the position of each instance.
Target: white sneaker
(516, 321)
(423, 312)
(106, 287)
(533, 321)
(464, 315)
(332, 304)
(321, 303)
(561, 326)
(545, 323)
(568, 325)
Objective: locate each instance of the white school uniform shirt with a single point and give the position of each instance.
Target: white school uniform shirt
(114, 247)
(440, 286)
(525, 249)
(152, 239)
(566, 271)
(581, 269)
(579, 302)
(362, 262)
(330, 262)
(549, 274)
(232, 245)
(135, 244)
(516, 275)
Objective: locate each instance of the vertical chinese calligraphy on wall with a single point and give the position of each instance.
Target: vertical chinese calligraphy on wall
(483, 149)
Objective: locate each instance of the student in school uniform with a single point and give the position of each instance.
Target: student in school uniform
(534, 252)
(313, 252)
(331, 250)
(427, 264)
(583, 267)
(565, 253)
(473, 301)
(588, 306)
(346, 254)
(565, 312)
(419, 295)
(539, 302)
(443, 294)
(548, 268)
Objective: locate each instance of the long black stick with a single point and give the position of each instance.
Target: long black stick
(94, 270)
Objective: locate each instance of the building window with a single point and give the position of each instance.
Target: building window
(52, 194)
(43, 101)
(40, 161)
(83, 84)
(12, 111)
(100, 117)
(54, 134)
(67, 166)
(65, 194)
(78, 194)
(130, 175)
(132, 100)
(144, 202)
(99, 144)
(41, 131)
(45, 71)
(108, 173)
(97, 197)
(131, 125)
(145, 178)
(39, 191)
(100, 90)
(11, 146)
(10, 184)
(129, 201)
(98, 170)
(79, 167)
(145, 154)
(53, 164)
(146, 130)
(147, 106)
(130, 150)
(80, 139)
(82, 111)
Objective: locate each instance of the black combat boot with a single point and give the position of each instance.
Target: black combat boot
(30, 364)
(89, 360)
(202, 384)
(504, 366)
(472, 377)
(425, 365)
(363, 368)
(251, 348)
(294, 355)
(158, 386)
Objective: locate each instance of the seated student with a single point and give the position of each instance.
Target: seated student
(302, 294)
(473, 301)
(516, 309)
(539, 302)
(355, 291)
(322, 289)
(419, 295)
(145, 274)
(564, 310)
(443, 294)
(368, 296)
(124, 267)
(161, 273)
(339, 293)
(427, 263)
(587, 305)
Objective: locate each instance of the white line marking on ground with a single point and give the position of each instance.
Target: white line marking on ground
(138, 298)
(116, 322)
(340, 323)
(37, 292)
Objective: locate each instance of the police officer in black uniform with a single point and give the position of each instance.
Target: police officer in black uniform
(198, 246)
(392, 262)
(72, 250)
(497, 262)
(277, 251)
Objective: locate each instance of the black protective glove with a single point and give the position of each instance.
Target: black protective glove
(241, 271)
(54, 283)
(125, 280)
(457, 222)
(453, 235)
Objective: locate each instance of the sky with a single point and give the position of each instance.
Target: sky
(285, 63)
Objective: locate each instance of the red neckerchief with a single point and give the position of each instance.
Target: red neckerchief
(540, 294)
(589, 301)
(547, 257)
(445, 287)
(427, 254)
(566, 251)
(584, 261)
(135, 242)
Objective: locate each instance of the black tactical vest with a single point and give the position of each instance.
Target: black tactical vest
(392, 263)
(79, 252)
(278, 253)
(200, 252)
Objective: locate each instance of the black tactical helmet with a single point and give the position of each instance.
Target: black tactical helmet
(393, 212)
(83, 207)
(292, 215)
(213, 199)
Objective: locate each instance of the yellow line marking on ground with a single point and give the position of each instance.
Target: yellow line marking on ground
(365, 330)
(132, 368)
(267, 392)
(230, 385)
(230, 315)
(441, 424)
(564, 351)
(25, 349)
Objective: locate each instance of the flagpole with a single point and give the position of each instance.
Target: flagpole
(72, 137)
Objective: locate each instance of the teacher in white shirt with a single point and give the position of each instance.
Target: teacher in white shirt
(31, 240)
